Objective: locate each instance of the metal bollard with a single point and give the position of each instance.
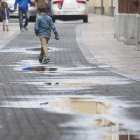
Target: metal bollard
(112, 8)
(102, 7)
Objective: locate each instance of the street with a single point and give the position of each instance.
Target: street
(88, 91)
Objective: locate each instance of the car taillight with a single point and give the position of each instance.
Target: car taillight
(32, 5)
(59, 2)
(80, 1)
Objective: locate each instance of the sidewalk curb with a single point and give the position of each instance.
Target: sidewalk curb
(85, 51)
(90, 58)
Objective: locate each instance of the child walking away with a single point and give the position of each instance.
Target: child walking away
(43, 27)
(4, 13)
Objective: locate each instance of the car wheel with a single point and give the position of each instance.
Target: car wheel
(33, 19)
(85, 19)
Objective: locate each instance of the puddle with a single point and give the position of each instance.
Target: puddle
(35, 49)
(39, 68)
(66, 84)
(70, 76)
(121, 134)
(86, 112)
(122, 137)
(57, 85)
(113, 131)
(45, 103)
(60, 69)
(81, 105)
(31, 50)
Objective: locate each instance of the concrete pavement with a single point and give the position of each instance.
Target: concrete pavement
(5, 37)
(98, 36)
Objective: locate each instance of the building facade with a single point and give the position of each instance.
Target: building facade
(95, 6)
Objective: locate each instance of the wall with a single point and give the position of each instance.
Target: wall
(97, 4)
(107, 5)
(127, 23)
(94, 3)
(127, 6)
(91, 3)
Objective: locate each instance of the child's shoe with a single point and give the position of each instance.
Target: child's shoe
(45, 61)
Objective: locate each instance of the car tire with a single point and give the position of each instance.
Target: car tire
(85, 19)
(33, 19)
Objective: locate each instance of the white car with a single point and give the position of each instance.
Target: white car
(32, 9)
(69, 10)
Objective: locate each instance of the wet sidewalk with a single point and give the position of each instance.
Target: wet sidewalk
(73, 97)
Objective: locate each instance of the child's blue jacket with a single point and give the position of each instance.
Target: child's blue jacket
(23, 4)
(44, 25)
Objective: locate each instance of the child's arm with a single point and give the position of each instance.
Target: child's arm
(10, 10)
(36, 27)
(54, 29)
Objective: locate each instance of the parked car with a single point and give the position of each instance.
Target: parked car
(69, 9)
(32, 9)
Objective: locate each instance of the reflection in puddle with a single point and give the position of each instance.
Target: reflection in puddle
(35, 49)
(44, 103)
(63, 76)
(86, 112)
(103, 123)
(121, 134)
(88, 106)
(39, 68)
(81, 105)
(128, 137)
(65, 84)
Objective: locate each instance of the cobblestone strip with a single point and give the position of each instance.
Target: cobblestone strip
(88, 56)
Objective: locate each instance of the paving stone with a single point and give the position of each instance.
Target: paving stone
(20, 118)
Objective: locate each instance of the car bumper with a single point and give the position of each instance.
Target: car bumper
(82, 11)
(69, 17)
